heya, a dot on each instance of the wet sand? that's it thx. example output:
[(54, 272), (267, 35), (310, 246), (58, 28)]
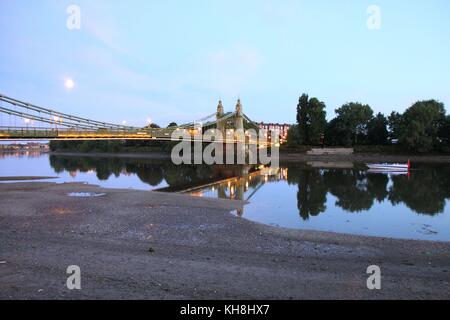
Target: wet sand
[(137, 244)]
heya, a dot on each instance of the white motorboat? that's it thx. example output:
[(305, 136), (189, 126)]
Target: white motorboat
[(389, 172), (395, 167)]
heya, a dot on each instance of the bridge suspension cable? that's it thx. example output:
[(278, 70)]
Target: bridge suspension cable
[(72, 120), (192, 124), (52, 124), (45, 120)]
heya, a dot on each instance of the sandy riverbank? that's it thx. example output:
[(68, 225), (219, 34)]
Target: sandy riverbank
[(138, 244)]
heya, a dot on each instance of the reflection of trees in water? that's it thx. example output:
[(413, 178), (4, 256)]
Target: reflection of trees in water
[(151, 174), (151, 171), (312, 193), (350, 187), (104, 168), (377, 186), (424, 191), (183, 175)]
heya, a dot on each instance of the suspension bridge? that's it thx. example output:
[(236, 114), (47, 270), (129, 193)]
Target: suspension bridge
[(21, 120)]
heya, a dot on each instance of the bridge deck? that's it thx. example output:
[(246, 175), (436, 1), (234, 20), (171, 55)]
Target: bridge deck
[(25, 134)]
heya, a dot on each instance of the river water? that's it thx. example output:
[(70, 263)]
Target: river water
[(337, 197)]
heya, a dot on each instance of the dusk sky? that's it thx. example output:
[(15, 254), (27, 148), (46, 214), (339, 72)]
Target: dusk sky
[(172, 60)]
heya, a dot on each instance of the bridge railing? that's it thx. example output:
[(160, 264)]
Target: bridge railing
[(48, 132), (24, 133)]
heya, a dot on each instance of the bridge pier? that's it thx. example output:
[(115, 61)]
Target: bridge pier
[(219, 115), (239, 120), (239, 132)]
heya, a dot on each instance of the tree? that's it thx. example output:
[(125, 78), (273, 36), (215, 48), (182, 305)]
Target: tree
[(444, 132), (153, 126), (172, 124), (396, 125), (293, 136), (353, 119), (317, 121), (422, 123), (302, 118), (311, 119), (377, 132), (336, 134)]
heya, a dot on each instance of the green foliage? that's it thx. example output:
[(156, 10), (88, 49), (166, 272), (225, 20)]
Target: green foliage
[(336, 134), (317, 121), (396, 125), (302, 122), (422, 123), (353, 120), (172, 124), (311, 119), (293, 137), (444, 132), (111, 146), (377, 133)]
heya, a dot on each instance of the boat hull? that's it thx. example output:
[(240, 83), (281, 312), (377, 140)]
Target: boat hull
[(388, 167)]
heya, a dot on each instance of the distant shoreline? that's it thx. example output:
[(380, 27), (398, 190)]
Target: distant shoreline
[(135, 155), (26, 178)]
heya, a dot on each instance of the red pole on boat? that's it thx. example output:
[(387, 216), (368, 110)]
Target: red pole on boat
[(409, 165)]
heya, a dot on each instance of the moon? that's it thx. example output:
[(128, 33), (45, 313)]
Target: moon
[(69, 83)]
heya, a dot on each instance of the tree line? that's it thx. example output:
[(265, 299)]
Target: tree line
[(423, 127)]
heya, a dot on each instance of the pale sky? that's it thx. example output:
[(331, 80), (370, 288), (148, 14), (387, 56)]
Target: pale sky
[(172, 60)]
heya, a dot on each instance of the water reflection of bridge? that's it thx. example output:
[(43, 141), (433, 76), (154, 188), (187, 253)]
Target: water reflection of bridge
[(242, 187)]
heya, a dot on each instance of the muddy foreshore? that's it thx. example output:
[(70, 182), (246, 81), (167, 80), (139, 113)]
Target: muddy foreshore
[(137, 244)]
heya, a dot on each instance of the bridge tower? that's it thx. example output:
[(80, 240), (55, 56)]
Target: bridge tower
[(239, 120), (219, 115)]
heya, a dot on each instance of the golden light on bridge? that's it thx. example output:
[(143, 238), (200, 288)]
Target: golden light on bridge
[(77, 128)]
